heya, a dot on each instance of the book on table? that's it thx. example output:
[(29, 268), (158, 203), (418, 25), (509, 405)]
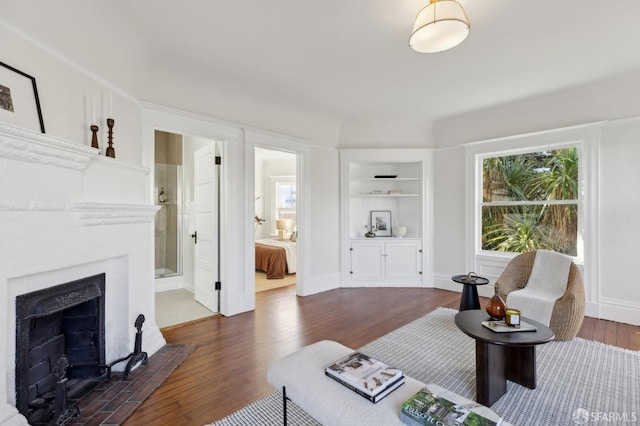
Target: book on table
[(502, 327), (366, 375), (433, 405)]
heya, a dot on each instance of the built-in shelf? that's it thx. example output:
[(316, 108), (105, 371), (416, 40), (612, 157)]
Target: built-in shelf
[(400, 191)]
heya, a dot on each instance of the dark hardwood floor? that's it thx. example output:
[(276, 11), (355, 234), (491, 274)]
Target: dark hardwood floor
[(228, 369)]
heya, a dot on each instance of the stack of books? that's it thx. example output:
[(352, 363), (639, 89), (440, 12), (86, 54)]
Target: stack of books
[(365, 375), (433, 405)]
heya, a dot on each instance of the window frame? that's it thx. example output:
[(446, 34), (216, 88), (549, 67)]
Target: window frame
[(277, 192), (479, 158), (273, 183), (587, 139)]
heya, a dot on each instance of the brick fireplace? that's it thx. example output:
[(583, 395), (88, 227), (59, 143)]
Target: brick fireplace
[(62, 320), (69, 214)]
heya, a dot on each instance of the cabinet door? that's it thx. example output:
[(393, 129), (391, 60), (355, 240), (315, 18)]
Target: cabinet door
[(367, 261), (404, 261)]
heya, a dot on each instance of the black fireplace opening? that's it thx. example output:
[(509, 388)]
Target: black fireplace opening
[(65, 320)]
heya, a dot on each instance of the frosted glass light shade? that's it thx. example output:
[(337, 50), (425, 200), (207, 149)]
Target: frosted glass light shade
[(439, 26)]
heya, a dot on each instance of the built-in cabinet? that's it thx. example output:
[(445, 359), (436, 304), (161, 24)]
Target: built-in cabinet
[(385, 261), (393, 181)]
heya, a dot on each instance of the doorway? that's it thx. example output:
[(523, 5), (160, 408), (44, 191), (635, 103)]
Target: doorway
[(275, 219), (237, 144), (186, 192)]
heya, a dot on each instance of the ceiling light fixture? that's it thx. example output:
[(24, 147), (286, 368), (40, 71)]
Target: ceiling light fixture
[(440, 25)]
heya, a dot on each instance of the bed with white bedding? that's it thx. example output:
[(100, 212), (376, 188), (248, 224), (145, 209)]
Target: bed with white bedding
[(276, 257)]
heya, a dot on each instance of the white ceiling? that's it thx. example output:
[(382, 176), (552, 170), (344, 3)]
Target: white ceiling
[(347, 61)]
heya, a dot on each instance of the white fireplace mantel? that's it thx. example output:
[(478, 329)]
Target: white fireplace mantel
[(67, 212), (24, 145)]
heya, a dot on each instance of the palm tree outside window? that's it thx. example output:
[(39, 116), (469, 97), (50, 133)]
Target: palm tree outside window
[(530, 201)]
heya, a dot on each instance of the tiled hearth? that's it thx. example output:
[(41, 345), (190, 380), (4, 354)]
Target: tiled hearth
[(113, 401), (67, 212)]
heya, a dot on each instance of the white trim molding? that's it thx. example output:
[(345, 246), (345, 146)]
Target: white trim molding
[(235, 296), (618, 310), (92, 214)]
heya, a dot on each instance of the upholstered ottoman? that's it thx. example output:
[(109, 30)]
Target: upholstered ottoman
[(301, 374)]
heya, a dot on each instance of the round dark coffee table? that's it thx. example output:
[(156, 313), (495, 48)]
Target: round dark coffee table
[(469, 298), (502, 356)]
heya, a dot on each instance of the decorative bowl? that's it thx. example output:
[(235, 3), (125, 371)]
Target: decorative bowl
[(399, 231)]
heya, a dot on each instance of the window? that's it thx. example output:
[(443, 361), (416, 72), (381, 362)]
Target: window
[(286, 200), (530, 201)]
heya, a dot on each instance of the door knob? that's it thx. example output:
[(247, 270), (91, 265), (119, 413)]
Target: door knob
[(195, 237)]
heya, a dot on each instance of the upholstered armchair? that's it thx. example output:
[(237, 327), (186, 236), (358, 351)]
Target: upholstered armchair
[(568, 310)]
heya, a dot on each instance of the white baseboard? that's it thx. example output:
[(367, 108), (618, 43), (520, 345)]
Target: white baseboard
[(592, 310), (383, 284), (321, 283), (169, 283), (619, 311)]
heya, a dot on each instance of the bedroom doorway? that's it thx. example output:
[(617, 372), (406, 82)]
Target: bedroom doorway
[(275, 219)]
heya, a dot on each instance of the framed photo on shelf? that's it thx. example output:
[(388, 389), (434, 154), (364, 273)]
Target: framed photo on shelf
[(19, 102), (381, 221)]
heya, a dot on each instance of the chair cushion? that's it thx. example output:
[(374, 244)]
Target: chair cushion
[(547, 283)]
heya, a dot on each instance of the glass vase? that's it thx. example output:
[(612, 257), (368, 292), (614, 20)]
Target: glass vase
[(496, 308)]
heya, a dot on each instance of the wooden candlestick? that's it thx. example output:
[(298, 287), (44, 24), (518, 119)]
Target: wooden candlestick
[(94, 136), (111, 152)]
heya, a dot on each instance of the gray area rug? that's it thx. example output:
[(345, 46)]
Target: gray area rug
[(579, 381)]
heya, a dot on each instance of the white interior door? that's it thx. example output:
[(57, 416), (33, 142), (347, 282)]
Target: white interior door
[(206, 234)]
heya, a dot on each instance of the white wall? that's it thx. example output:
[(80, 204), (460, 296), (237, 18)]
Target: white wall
[(217, 99), (325, 213), (619, 226), (609, 99), (617, 297), (449, 215), (386, 132), (64, 93)]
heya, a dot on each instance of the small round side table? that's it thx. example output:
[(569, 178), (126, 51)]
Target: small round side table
[(469, 299)]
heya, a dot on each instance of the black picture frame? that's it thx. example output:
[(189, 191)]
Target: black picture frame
[(381, 221), (29, 112)]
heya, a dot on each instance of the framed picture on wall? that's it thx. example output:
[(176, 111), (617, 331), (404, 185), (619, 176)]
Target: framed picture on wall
[(19, 102), (381, 222)]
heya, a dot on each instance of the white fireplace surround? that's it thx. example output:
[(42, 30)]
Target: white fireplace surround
[(66, 213)]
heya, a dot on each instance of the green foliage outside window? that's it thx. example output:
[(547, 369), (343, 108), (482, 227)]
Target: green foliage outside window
[(530, 202)]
